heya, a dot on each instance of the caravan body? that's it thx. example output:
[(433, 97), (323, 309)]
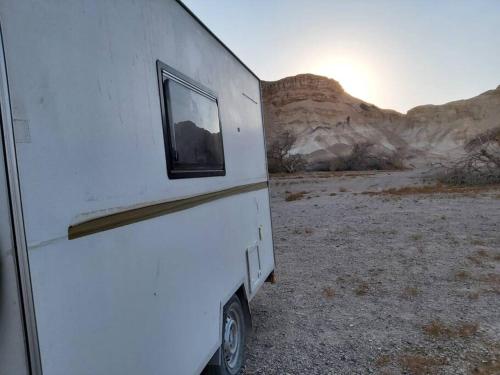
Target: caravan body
[(133, 191)]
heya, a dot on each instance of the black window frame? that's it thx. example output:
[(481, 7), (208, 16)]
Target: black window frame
[(166, 72)]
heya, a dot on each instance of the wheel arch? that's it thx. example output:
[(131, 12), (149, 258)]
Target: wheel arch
[(241, 293)]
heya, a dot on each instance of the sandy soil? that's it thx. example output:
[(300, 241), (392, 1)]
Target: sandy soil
[(379, 283)]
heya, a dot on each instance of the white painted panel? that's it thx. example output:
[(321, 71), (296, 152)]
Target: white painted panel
[(83, 75), (254, 271), (145, 297)]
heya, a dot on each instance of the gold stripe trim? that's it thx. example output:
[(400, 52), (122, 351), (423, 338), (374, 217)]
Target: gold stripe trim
[(135, 215)]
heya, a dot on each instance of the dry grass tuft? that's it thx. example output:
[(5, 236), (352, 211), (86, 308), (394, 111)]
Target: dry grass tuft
[(343, 190), (491, 278), (434, 189), (421, 364), (383, 361), (477, 242), (295, 196), (333, 194), (416, 237), (482, 253), (487, 363), (479, 256), (477, 260), (462, 275), (309, 231), (467, 329), (489, 368), (438, 329), (410, 292), (474, 296), (328, 292), (362, 289)]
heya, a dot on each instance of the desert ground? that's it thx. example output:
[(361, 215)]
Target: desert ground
[(378, 275)]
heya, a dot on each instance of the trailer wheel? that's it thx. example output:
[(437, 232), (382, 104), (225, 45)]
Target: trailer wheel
[(234, 335)]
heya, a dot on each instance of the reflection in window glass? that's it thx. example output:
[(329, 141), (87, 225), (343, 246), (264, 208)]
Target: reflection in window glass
[(195, 136)]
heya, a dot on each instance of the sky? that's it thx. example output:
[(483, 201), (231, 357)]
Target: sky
[(393, 53)]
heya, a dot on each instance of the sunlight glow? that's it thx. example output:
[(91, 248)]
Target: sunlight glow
[(355, 78)]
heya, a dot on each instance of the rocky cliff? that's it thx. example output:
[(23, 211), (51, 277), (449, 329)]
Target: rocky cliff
[(328, 121), (441, 130)]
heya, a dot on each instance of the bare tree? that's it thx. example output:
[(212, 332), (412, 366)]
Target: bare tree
[(279, 157), (481, 164)]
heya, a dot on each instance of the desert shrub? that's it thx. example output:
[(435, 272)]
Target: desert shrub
[(480, 165), (279, 158), (318, 166), (295, 196), (363, 158)]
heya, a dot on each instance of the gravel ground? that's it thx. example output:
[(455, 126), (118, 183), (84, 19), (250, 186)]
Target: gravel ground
[(379, 284)]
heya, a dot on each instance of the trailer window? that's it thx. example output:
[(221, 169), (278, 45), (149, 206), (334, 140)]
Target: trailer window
[(192, 130)]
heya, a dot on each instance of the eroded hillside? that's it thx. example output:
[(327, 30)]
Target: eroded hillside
[(328, 121)]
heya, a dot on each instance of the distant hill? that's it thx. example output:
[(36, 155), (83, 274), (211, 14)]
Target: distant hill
[(328, 121)]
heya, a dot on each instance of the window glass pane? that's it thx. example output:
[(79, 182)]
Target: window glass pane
[(195, 136)]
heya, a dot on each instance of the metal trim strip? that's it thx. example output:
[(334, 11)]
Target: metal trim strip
[(9, 146), (135, 215)]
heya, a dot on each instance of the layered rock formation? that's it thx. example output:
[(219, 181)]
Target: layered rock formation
[(328, 121), (441, 130)]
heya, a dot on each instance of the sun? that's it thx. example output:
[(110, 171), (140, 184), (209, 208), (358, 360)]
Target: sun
[(354, 77)]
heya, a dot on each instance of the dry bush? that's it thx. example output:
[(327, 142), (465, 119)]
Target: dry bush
[(279, 158), (480, 165), (363, 157), (438, 329), (420, 364), (295, 196)]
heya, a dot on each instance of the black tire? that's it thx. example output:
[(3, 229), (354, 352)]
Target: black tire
[(233, 341)]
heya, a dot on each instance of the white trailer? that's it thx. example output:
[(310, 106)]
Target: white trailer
[(134, 207)]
